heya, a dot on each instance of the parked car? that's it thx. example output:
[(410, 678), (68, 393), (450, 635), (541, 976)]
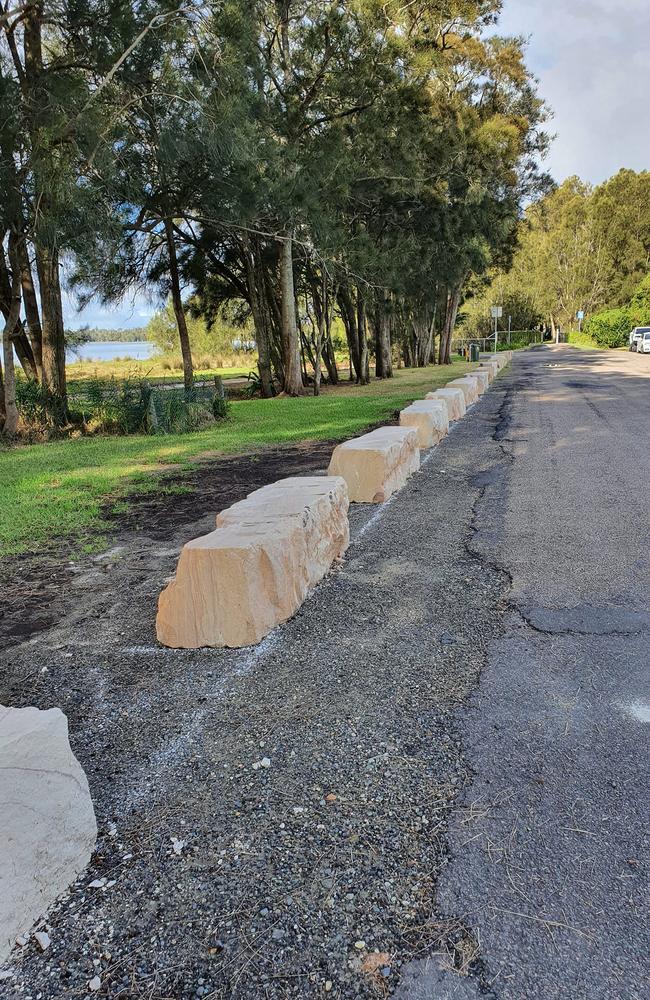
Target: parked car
[(637, 336), (643, 345)]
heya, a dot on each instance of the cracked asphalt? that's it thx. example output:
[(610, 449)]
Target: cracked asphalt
[(549, 854)]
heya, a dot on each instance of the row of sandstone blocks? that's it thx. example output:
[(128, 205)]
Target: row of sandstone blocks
[(268, 552)]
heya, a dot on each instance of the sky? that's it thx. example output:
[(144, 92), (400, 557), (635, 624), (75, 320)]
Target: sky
[(592, 59)]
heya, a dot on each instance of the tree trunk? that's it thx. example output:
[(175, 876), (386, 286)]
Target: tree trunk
[(260, 321), (11, 410), (377, 341), (179, 312), (3, 412), (451, 312), (362, 334), (385, 351), (290, 342), (424, 338), (31, 308), (53, 379), (19, 338), (23, 350), (349, 317), (329, 357)]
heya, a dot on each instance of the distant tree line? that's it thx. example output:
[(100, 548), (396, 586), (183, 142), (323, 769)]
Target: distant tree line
[(580, 249), (99, 335), (296, 160)]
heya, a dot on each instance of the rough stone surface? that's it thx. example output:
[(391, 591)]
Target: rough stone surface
[(47, 818), (469, 388), (377, 464), (491, 367), (430, 418), (483, 378), (454, 397), (502, 358), (255, 570)]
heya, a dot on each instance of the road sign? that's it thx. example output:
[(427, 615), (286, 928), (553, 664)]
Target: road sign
[(580, 314), (497, 312)]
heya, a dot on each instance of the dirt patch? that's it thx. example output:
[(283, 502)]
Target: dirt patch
[(216, 484), (38, 588)]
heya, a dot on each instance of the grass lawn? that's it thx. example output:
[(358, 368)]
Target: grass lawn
[(58, 488)]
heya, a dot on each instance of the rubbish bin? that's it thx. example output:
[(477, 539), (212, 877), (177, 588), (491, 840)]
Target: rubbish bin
[(473, 352)]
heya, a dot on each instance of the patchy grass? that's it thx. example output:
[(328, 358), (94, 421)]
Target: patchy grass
[(58, 488), (154, 370)]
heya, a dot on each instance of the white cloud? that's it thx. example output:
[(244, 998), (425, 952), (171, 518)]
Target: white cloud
[(593, 59)]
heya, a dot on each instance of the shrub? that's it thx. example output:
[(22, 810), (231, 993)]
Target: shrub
[(610, 327)]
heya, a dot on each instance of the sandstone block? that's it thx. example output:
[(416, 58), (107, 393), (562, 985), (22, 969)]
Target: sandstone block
[(320, 501), (430, 418), (492, 368), (46, 816), (454, 398), (377, 464), (469, 388), (483, 377), (255, 570)]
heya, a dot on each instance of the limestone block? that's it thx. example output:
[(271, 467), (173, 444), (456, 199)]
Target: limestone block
[(454, 397), (379, 463), (469, 387), (256, 569), (430, 418), (483, 377), (46, 817)]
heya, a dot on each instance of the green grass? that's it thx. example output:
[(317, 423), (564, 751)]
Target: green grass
[(58, 488), (583, 340)]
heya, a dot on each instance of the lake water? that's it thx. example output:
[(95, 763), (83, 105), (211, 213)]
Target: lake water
[(108, 350)]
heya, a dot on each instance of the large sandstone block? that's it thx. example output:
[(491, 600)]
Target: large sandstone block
[(469, 388), (47, 820), (320, 501), (492, 368), (430, 419), (454, 399), (379, 463), (257, 568), (483, 377)]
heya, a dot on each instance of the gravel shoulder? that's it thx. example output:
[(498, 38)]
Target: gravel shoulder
[(314, 875)]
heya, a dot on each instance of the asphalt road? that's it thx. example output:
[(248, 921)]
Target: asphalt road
[(549, 856)]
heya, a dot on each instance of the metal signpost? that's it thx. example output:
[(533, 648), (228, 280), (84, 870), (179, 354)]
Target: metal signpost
[(580, 316), (497, 313)]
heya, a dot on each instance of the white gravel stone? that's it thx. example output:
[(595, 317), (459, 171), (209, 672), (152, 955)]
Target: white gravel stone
[(42, 940)]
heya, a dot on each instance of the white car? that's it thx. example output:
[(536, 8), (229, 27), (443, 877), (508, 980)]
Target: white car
[(637, 336), (643, 345)]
